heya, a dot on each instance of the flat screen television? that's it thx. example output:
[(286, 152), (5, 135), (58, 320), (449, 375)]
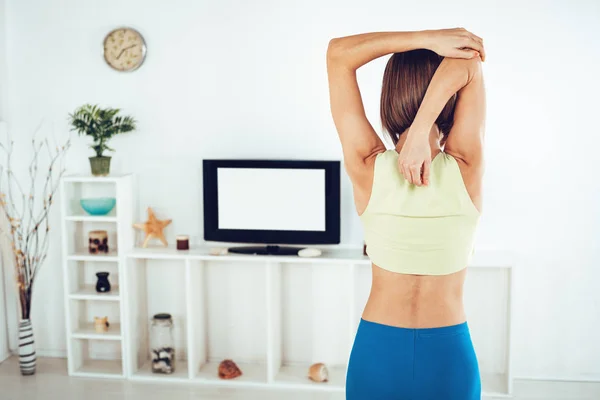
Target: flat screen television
[(272, 202)]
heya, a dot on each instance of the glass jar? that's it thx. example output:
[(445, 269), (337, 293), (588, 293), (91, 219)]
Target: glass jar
[(162, 344)]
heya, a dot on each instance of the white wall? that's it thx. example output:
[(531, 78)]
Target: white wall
[(247, 79), (4, 351)]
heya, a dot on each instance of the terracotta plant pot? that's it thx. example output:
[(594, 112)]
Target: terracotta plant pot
[(100, 166)]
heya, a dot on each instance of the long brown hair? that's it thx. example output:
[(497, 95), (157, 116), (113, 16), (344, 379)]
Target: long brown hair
[(405, 82)]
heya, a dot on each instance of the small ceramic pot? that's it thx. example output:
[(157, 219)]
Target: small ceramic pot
[(102, 285)]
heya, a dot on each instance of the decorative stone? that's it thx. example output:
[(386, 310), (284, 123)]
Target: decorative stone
[(228, 370), (163, 360)]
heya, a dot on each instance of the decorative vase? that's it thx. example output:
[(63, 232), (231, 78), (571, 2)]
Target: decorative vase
[(100, 166), (102, 285), (27, 358)]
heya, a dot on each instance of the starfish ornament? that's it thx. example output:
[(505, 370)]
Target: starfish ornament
[(153, 228)]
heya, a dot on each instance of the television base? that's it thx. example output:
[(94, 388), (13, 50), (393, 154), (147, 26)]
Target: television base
[(266, 250)]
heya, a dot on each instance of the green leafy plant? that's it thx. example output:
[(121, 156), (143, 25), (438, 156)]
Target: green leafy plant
[(101, 124)]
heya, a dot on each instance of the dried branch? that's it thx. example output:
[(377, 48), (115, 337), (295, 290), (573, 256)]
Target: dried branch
[(29, 227)]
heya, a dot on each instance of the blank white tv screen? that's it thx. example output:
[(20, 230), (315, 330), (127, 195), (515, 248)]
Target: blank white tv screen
[(271, 199)]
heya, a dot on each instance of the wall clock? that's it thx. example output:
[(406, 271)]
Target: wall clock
[(124, 49)]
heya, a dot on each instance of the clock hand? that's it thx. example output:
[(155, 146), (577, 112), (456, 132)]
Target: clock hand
[(125, 49)]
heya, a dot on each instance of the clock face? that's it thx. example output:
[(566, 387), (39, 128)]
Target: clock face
[(124, 49)]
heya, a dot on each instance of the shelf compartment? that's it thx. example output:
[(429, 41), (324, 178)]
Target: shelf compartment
[(77, 240), (308, 316), (82, 280), (82, 313), (297, 376), (100, 368), (88, 292), (229, 319), (88, 332), (97, 359), (77, 190), (156, 287)]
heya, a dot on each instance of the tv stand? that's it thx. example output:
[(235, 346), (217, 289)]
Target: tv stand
[(266, 250)]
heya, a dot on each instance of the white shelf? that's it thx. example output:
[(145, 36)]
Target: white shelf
[(82, 302), (179, 375), (100, 369), (91, 218), (252, 374), (88, 332), (349, 256), (88, 292), (297, 377), (86, 178), (84, 255)]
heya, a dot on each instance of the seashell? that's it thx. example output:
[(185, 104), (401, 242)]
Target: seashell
[(318, 372), (218, 251), (228, 370)]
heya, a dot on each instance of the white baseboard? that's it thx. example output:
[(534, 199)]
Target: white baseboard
[(51, 353), (564, 378)]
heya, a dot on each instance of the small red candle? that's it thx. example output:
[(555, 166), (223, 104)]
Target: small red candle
[(183, 242)]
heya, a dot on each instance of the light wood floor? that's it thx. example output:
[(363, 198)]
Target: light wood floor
[(52, 382)]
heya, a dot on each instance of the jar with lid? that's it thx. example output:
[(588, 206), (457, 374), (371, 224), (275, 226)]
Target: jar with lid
[(162, 344)]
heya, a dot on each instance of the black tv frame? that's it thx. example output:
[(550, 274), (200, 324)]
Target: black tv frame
[(331, 235)]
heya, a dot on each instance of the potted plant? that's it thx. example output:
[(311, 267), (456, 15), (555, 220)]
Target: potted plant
[(101, 124)]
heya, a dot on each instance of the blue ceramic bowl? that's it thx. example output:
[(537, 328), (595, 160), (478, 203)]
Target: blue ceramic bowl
[(98, 205)]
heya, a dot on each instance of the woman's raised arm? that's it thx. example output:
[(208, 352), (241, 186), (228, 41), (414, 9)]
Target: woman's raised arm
[(345, 55), (465, 138)]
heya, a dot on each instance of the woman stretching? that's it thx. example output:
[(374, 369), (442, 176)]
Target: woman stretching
[(419, 204)]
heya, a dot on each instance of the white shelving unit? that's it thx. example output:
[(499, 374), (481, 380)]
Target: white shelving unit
[(273, 315), (89, 353), (219, 314)]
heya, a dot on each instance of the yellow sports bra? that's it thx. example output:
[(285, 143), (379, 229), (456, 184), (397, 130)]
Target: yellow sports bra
[(420, 230)]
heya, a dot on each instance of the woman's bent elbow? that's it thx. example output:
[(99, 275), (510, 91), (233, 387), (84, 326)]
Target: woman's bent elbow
[(334, 50)]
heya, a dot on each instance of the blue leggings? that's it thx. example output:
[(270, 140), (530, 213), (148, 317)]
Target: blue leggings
[(390, 363)]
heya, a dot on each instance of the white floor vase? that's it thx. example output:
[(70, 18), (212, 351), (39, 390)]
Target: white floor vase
[(27, 358)]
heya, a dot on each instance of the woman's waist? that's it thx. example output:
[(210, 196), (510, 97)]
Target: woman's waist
[(416, 301)]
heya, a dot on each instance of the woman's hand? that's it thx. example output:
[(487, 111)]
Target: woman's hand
[(455, 43), (415, 158)]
